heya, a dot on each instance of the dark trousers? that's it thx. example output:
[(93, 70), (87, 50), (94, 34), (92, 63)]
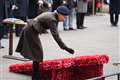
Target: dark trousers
[(80, 19), (1, 31), (4, 30), (114, 18), (36, 75)]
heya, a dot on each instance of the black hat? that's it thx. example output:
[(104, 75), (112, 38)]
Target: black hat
[(63, 10)]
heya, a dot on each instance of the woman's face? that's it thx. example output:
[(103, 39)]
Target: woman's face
[(62, 17)]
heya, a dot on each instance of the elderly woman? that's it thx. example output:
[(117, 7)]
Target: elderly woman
[(30, 45)]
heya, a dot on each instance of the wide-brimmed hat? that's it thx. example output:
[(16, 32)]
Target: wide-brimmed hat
[(63, 10)]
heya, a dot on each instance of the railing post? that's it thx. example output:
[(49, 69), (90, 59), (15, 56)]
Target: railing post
[(118, 76)]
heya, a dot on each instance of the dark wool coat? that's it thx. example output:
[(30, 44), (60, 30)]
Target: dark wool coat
[(114, 6), (56, 3), (43, 8), (22, 8), (33, 9), (5, 12), (8, 8), (29, 44), (5, 8), (2, 12), (70, 4)]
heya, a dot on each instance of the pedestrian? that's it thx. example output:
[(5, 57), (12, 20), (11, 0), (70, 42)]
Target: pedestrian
[(5, 12), (1, 35), (1, 18), (20, 12), (56, 3), (114, 10), (68, 23), (81, 9), (99, 5), (43, 6), (33, 8), (30, 45)]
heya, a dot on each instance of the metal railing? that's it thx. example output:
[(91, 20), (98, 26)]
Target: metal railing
[(106, 76)]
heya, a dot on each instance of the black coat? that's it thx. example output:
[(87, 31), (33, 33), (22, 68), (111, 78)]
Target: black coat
[(114, 6), (2, 9), (2, 12), (56, 3), (22, 10), (70, 4), (43, 8), (29, 44), (5, 12), (6, 8), (33, 9)]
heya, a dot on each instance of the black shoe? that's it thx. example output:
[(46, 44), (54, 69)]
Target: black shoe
[(17, 35), (82, 27), (115, 25), (2, 47), (71, 29), (65, 29)]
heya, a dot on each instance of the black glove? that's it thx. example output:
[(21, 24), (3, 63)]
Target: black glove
[(71, 51)]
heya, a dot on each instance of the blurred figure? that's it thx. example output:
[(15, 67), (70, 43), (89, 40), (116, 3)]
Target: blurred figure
[(33, 9), (6, 10), (56, 3), (43, 6), (2, 14), (81, 9), (114, 10), (99, 5), (68, 23), (1, 35), (20, 12)]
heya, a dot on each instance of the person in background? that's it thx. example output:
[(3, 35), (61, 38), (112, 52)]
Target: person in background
[(1, 35), (29, 45), (99, 5), (20, 12), (114, 10), (56, 3), (43, 6), (81, 9), (68, 23), (1, 18), (6, 10), (33, 8)]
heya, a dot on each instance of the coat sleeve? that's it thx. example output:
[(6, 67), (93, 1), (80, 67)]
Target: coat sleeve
[(55, 34)]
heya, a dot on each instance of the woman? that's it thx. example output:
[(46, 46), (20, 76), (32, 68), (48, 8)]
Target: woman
[(30, 45)]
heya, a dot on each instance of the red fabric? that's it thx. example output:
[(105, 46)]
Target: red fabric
[(79, 68), (99, 5)]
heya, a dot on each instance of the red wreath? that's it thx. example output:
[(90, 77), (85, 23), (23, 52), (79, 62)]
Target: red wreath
[(82, 67)]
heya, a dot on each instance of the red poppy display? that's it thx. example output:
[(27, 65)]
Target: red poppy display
[(78, 68)]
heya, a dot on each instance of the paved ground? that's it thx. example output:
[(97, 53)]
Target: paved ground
[(99, 38)]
